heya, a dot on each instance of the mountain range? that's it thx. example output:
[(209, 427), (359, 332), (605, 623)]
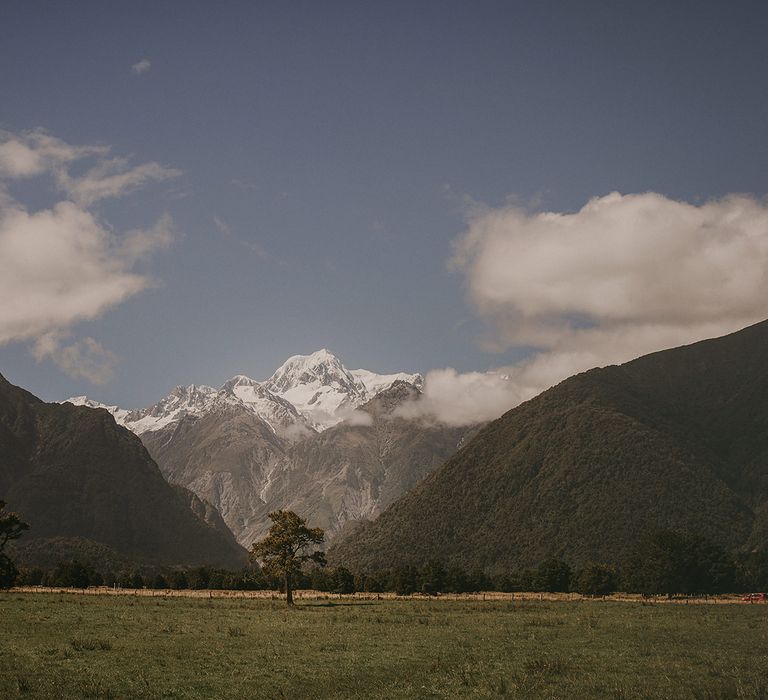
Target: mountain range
[(315, 438), (677, 440), (307, 393)]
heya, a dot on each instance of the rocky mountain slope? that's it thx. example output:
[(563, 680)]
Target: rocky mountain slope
[(349, 472), (353, 471), (77, 476), (677, 439)]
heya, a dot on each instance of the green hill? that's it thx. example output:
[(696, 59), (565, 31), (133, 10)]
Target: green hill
[(676, 439)]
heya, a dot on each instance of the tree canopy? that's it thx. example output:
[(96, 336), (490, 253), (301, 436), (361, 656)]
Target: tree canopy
[(288, 547), (11, 528)]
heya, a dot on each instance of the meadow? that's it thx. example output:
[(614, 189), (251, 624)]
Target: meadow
[(76, 646)]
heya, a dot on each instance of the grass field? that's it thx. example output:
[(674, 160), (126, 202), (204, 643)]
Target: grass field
[(143, 647)]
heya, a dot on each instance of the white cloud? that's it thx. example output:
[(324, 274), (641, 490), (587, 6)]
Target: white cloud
[(36, 152), (221, 226), (624, 276), (111, 178), (86, 359), (454, 398), (62, 265), (358, 418), (139, 243), (141, 66)]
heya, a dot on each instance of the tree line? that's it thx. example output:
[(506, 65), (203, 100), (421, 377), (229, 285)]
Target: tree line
[(661, 562), (666, 569)]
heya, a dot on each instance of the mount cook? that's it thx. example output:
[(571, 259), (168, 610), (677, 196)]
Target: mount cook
[(315, 437), (308, 393)]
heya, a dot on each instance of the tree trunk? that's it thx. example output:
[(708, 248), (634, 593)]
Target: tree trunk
[(288, 589)]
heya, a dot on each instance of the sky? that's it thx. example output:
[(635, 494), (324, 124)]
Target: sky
[(192, 190)]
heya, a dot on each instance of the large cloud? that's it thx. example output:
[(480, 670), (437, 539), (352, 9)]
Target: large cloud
[(623, 276), (61, 265), (64, 264)]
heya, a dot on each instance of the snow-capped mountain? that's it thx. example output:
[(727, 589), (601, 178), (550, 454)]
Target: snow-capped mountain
[(307, 393), (325, 391), (315, 437)]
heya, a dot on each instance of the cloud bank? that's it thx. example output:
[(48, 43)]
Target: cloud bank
[(624, 276), (62, 265)]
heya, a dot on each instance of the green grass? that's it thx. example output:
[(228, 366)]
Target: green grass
[(124, 647)]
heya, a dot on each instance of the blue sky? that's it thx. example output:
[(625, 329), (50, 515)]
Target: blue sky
[(333, 153)]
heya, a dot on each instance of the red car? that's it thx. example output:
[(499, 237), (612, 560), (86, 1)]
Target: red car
[(755, 598)]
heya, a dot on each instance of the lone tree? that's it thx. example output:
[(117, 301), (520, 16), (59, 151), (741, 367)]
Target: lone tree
[(11, 528), (285, 549)]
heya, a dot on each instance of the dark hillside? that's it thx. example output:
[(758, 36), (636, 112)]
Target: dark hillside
[(74, 473), (677, 439)]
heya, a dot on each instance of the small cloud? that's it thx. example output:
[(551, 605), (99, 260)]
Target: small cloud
[(138, 243), (457, 399), (35, 152), (221, 225), (84, 359), (256, 248), (111, 178), (296, 432), (359, 418), (244, 184), (142, 66)]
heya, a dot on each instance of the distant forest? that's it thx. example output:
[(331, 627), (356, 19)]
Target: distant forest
[(665, 562)]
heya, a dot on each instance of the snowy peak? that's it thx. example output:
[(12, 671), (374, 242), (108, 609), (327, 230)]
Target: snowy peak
[(319, 386), (325, 391), (307, 393), (320, 369)]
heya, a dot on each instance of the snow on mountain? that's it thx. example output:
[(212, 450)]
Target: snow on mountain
[(183, 401), (325, 391), (192, 400), (119, 413), (319, 386), (279, 414), (376, 383), (307, 393)]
